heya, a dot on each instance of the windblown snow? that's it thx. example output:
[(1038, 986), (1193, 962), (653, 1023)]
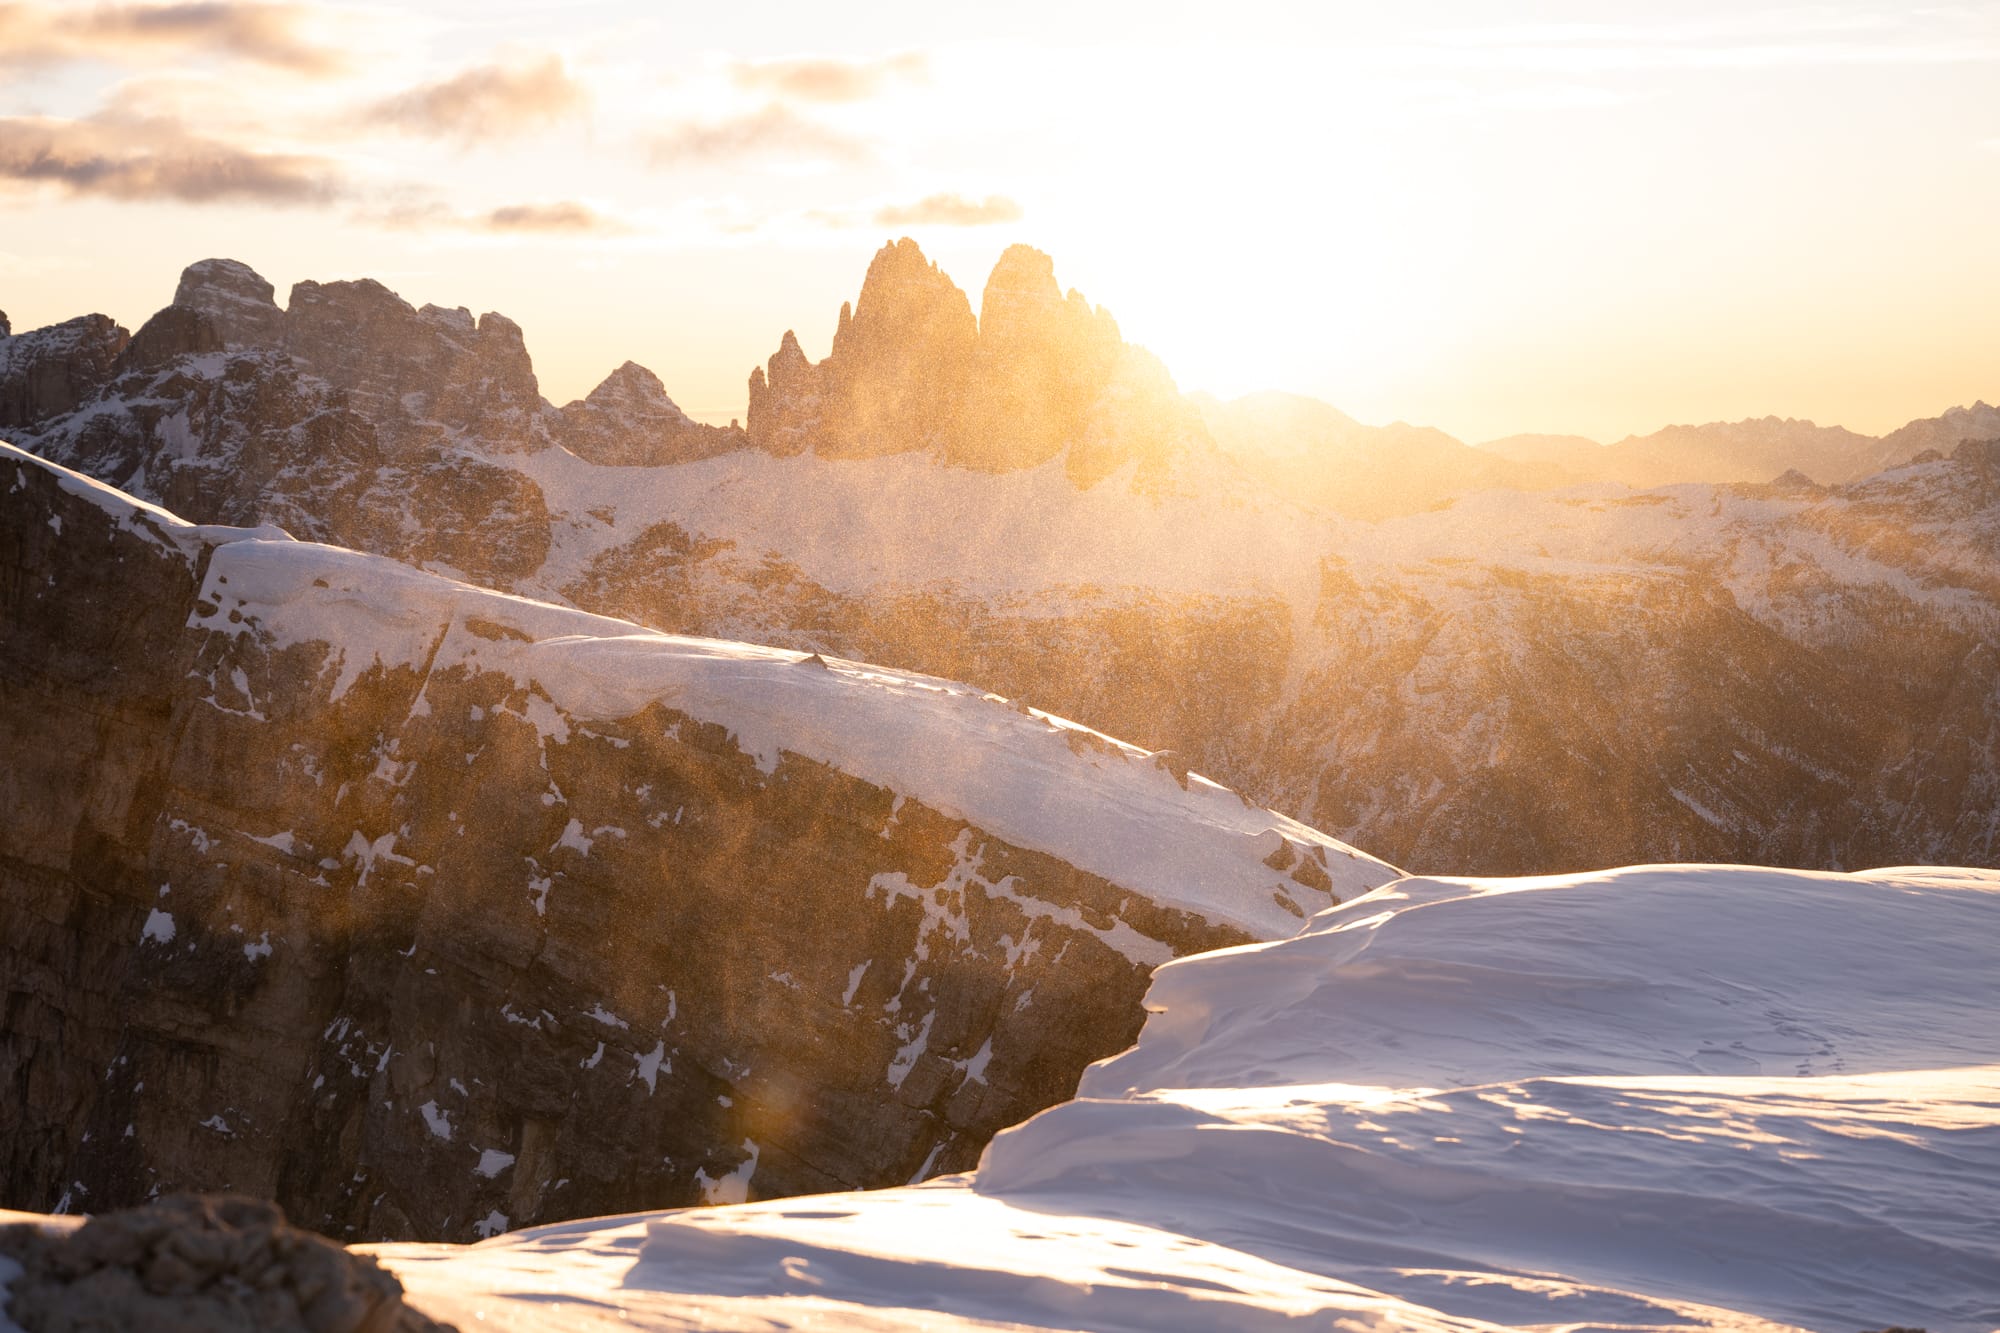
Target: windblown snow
[(1662, 1097)]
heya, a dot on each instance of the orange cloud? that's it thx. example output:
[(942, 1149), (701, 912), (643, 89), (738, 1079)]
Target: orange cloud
[(827, 80), (564, 216), (154, 158), (774, 132), (34, 34), (484, 102), (561, 217), (949, 210)]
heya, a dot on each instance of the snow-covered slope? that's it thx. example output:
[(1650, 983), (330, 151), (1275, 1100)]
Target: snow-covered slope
[(1038, 781), (541, 914), (1662, 1097)]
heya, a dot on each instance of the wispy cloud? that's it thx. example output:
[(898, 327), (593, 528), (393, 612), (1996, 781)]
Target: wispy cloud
[(820, 79), (484, 102), (949, 210), (35, 34), (154, 158), (564, 217), (776, 132)]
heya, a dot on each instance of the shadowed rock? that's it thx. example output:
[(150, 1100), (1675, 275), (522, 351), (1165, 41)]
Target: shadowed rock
[(49, 371), (629, 421), (193, 1264)]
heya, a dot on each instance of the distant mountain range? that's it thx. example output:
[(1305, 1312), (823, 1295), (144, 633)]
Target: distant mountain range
[(1515, 657)]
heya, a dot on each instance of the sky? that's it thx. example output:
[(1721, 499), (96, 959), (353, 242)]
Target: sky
[(1588, 218)]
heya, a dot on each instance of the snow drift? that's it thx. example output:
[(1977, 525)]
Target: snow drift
[(1670, 1096)]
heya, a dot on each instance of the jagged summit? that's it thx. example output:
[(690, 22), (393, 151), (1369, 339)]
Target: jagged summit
[(1037, 376)]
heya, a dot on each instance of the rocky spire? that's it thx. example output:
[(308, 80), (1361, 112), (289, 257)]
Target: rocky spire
[(785, 403), (1044, 361), (900, 358), (1038, 374)]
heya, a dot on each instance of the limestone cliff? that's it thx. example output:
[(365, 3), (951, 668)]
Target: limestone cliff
[(429, 911)]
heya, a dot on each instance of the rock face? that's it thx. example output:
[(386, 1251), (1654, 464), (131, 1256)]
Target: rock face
[(418, 373), (173, 333), (430, 912), (236, 299), (1038, 376), (46, 372)]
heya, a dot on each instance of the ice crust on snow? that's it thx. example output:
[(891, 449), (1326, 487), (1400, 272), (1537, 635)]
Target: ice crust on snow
[(1029, 778), (1666, 1097)]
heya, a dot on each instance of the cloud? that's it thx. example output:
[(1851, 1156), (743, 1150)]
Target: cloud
[(34, 34), (565, 217), (774, 132), (827, 80), (154, 158), (949, 210), (484, 102)]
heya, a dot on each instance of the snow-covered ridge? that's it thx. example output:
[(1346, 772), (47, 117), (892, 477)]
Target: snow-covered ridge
[(1031, 779), (141, 518)]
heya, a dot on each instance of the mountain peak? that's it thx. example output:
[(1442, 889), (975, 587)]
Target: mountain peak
[(237, 300), (1019, 292)]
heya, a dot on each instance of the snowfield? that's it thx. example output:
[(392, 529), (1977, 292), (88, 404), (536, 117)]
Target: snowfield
[(1660, 1097)]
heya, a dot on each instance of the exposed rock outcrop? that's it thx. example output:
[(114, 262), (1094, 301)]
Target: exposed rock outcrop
[(190, 1264), (629, 421), (47, 372), (1526, 682), (784, 412), (901, 359), (244, 438), (418, 373), (174, 332)]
